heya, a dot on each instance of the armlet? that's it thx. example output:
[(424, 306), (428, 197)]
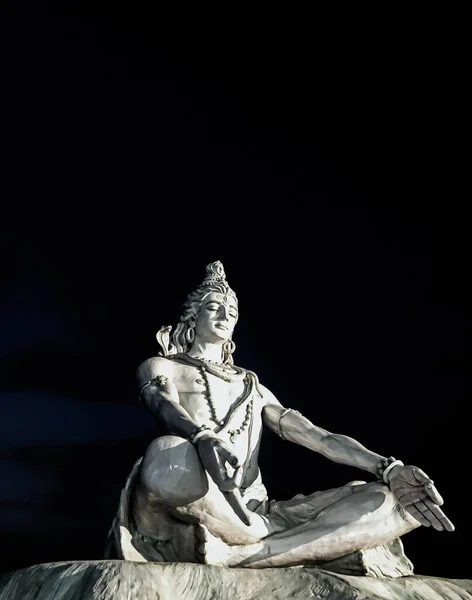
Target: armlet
[(159, 381), (287, 410)]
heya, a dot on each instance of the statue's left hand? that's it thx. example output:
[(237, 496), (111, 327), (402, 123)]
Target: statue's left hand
[(416, 492)]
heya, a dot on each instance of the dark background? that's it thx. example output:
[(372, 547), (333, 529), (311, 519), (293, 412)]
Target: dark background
[(320, 158)]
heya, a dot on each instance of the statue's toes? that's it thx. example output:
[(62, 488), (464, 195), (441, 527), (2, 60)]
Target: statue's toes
[(201, 543), (209, 549), (201, 533)]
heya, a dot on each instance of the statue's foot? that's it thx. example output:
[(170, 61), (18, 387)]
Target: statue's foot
[(210, 549)]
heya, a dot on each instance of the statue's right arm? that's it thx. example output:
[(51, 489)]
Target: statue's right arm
[(159, 394)]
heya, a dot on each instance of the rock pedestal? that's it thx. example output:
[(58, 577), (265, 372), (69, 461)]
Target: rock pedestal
[(127, 580)]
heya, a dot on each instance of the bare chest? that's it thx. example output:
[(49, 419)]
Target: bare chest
[(230, 408), (205, 395)]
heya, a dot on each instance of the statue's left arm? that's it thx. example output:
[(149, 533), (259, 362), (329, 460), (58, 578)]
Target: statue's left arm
[(410, 485), (292, 426)]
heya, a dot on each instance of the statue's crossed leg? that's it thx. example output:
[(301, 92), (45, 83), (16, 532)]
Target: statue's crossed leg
[(367, 518), (306, 529)]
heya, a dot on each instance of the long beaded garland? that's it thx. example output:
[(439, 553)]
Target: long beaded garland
[(214, 417)]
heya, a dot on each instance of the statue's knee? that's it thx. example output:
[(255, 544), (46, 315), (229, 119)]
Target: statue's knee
[(171, 470)]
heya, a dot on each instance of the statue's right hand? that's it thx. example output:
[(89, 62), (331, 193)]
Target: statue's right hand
[(214, 454)]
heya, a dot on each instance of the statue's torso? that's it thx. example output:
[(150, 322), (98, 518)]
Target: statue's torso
[(193, 393)]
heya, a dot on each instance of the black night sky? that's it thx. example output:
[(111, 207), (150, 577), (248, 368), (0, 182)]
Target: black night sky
[(320, 159)]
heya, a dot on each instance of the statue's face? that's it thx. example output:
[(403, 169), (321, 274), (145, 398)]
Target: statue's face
[(216, 319)]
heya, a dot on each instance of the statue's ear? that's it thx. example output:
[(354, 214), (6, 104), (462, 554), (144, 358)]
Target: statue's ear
[(163, 339)]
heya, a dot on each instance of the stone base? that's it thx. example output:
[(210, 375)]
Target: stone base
[(388, 560), (127, 580)]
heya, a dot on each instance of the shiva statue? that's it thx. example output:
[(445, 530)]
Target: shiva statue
[(197, 495)]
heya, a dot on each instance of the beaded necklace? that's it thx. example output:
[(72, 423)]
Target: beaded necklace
[(214, 417), (230, 374)]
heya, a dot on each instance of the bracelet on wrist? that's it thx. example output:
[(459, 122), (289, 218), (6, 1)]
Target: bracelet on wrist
[(198, 432), (386, 465)]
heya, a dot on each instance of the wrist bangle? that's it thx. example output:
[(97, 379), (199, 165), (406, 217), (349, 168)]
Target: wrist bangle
[(396, 463), (386, 465), (198, 432)]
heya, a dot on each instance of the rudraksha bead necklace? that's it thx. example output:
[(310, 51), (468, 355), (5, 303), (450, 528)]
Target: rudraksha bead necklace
[(214, 417)]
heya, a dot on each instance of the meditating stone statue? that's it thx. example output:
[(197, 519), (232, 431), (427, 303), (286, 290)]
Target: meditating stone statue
[(197, 494)]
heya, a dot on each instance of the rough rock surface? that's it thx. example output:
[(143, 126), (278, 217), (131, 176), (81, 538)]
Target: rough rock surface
[(126, 580)]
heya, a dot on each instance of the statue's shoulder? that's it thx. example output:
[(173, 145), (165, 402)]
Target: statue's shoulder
[(267, 396), (154, 366)]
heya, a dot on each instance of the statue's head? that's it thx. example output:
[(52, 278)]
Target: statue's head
[(209, 314)]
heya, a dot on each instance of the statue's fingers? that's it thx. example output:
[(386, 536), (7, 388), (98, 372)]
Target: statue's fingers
[(434, 508), (222, 479), (217, 470), (238, 476), (414, 512), (429, 515), (434, 494), (229, 456), (236, 502), (421, 476), (233, 482)]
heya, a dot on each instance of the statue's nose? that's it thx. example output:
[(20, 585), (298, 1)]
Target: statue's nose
[(223, 312)]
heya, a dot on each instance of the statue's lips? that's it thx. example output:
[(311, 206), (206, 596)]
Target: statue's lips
[(221, 326)]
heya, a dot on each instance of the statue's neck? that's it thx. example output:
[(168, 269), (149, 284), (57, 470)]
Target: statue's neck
[(207, 351)]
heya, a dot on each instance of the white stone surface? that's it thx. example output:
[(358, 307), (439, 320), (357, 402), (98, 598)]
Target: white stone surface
[(126, 580)]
